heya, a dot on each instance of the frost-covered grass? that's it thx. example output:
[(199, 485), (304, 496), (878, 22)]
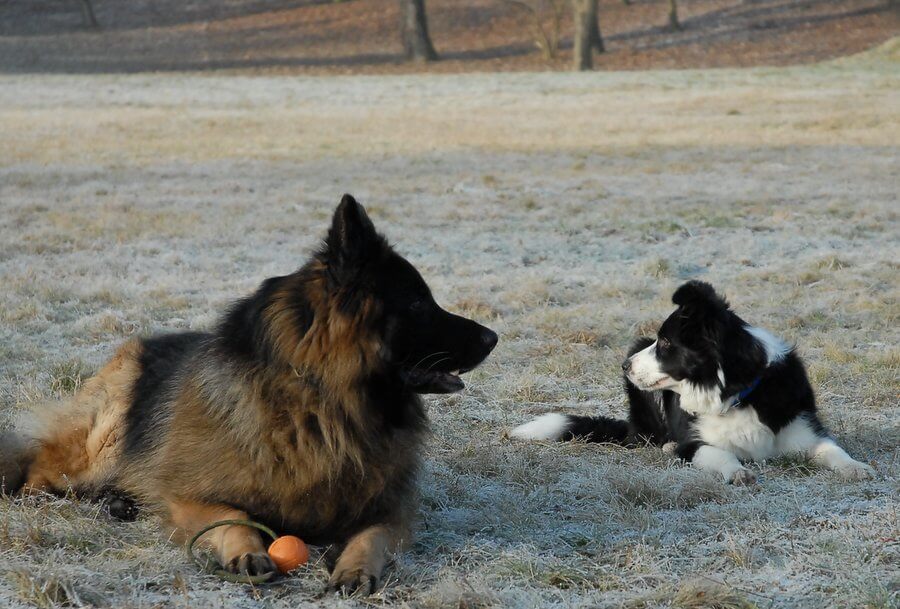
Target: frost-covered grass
[(562, 210)]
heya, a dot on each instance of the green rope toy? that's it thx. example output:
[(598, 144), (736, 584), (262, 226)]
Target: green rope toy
[(222, 573)]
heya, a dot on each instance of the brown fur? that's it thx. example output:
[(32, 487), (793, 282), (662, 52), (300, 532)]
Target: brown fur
[(77, 442), (296, 445), (301, 411)]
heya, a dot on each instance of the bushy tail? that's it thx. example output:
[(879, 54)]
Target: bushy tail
[(646, 419), (564, 427), (16, 454)]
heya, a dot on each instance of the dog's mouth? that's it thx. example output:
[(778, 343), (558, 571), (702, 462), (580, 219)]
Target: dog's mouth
[(663, 382), (433, 381), (666, 380)]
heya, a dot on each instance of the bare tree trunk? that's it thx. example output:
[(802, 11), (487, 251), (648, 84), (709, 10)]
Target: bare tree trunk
[(673, 15), (558, 7), (596, 37), (586, 30), (414, 30), (87, 13)]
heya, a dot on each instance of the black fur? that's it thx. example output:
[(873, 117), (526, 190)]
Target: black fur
[(425, 341), (15, 457), (301, 409), (117, 504), (359, 264), (161, 358), (648, 421), (242, 330), (597, 429), (700, 338)]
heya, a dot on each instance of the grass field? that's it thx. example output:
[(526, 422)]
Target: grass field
[(561, 210)]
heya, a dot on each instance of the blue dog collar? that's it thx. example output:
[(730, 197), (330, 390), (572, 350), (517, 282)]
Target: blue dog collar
[(743, 393)]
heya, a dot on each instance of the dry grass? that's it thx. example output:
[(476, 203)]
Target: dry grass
[(149, 207)]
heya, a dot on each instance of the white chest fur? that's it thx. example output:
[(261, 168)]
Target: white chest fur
[(739, 431)]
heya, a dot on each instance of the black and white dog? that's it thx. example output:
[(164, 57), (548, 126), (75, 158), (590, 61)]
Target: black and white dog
[(715, 391)]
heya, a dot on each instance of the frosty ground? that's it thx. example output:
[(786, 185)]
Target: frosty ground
[(559, 209)]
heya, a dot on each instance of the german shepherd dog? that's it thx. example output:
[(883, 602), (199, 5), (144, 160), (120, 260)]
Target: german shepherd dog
[(300, 410)]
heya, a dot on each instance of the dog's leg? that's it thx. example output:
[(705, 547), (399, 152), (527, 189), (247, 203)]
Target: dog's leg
[(361, 563), (711, 458), (808, 436), (238, 548), (828, 454)]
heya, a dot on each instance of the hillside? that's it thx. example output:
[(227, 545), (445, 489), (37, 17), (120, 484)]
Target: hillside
[(361, 36)]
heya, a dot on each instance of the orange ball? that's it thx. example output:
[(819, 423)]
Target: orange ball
[(288, 553)]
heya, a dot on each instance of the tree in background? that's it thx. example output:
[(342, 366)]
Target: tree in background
[(674, 23), (546, 37), (596, 37), (87, 12), (587, 34), (414, 31)]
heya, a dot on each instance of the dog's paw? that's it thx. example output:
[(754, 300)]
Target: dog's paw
[(742, 477), (669, 448), (119, 505), (123, 509), (352, 582), (251, 563), (855, 471)]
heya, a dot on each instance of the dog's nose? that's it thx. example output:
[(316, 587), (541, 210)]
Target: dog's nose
[(489, 339), (626, 365)]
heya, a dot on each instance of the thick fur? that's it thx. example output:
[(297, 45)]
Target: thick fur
[(685, 391), (300, 410)]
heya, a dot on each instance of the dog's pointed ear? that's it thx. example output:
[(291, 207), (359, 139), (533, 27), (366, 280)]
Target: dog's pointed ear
[(702, 311), (351, 238), (698, 295)]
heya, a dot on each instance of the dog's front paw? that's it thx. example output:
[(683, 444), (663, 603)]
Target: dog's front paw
[(119, 505), (670, 448), (742, 477), (855, 471), (352, 581), (251, 563)]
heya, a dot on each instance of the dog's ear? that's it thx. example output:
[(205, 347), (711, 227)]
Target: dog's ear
[(351, 239), (702, 311), (698, 295)]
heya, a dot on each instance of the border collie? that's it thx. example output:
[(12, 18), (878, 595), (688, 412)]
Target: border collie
[(714, 391)]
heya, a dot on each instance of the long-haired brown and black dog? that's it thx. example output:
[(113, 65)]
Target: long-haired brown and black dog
[(301, 410)]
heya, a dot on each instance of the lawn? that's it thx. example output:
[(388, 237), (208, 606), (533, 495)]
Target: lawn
[(559, 209)]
